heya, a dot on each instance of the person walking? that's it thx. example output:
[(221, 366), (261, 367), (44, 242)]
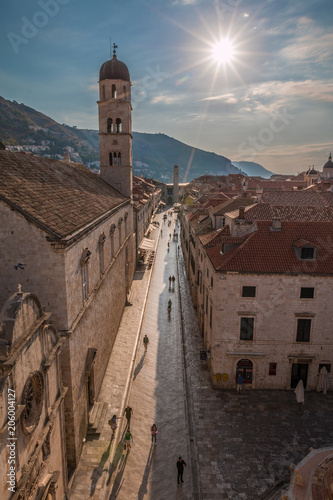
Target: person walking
[(113, 424), (128, 412), (173, 281), (170, 279), (239, 383), (128, 439), (153, 431), (180, 467), (145, 342)]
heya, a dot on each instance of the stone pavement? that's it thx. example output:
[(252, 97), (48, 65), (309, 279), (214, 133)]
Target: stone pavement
[(156, 382), (245, 443)]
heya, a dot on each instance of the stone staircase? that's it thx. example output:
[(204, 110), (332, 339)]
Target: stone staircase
[(97, 418)]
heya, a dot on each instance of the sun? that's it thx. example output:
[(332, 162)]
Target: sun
[(223, 51)]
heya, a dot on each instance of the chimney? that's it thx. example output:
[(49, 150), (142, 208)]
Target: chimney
[(241, 213), (276, 224)]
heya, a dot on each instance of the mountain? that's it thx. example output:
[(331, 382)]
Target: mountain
[(253, 169), (20, 124), (154, 155)]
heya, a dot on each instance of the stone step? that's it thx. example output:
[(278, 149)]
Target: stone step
[(103, 418), (96, 418), (92, 412)]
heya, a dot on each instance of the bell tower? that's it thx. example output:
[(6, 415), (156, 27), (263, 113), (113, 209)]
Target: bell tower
[(175, 184), (115, 125)]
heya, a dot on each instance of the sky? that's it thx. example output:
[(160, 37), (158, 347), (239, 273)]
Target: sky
[(250, 80)]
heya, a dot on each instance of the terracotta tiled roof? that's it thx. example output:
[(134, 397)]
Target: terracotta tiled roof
[(230, 205), (264, 211), (267, 251), (294, 198), (62, 197), (205, 197), (213, 238)]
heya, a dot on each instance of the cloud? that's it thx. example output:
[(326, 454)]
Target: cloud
[(185, 2), (94, 87), (167, 100), (311, 43), (225, 98)]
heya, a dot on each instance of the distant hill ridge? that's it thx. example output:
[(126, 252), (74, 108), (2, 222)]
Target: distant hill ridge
[(154, 155)]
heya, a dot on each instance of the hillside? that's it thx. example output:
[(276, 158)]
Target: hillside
[(154, 155), (253, 169), (22, 125)]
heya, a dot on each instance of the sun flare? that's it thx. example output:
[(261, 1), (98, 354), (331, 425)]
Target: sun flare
[(223, 51)]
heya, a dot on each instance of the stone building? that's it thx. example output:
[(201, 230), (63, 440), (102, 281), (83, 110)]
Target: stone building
[(261, 286), (67, 236), (31, 402)]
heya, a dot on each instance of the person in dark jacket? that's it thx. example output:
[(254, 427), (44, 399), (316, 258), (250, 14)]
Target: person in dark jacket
[(180, 467)]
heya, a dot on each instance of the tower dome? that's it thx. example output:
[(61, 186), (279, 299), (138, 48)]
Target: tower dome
[(329, 163), (114, 70)]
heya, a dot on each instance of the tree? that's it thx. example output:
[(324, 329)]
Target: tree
[(2, 145)]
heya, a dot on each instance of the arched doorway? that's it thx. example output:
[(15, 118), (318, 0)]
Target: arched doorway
[(245, 368), (169, 200)]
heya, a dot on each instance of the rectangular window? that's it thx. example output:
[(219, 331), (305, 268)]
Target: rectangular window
[(307, 253), (211, 282), (327, 366), (206, 304), (246, 328), (272, 369), (85, 283), (307, 293), (211, 317), (101, 260), (207, 273), (303, 330), (248, 291)]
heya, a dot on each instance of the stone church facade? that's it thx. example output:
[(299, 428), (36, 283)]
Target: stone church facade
[(67, 238)]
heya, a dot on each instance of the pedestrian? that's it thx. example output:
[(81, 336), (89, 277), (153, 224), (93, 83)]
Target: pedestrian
[(145, 342), (128, 412), (113, 424), (153, 431), (239, 383), (128, 439), (180, 467), (170, 279), (173, 281)]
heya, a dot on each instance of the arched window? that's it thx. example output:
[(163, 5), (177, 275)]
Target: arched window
[(124, 92), (115, 160), (109, 125), (119, 158), (114, 91), (118, 125), (103, 91), (110, 159)]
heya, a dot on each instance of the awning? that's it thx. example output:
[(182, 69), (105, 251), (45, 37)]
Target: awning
[(151, 227), (161, 203), (147, 244)]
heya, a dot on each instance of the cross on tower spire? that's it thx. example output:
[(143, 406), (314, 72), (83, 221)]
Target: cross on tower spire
[(114, 49)]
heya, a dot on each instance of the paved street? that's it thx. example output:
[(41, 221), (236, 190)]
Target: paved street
[(157, 396), (235, 446)]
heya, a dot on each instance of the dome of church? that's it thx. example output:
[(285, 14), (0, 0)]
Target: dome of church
[(114, 70), (329, 163)]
